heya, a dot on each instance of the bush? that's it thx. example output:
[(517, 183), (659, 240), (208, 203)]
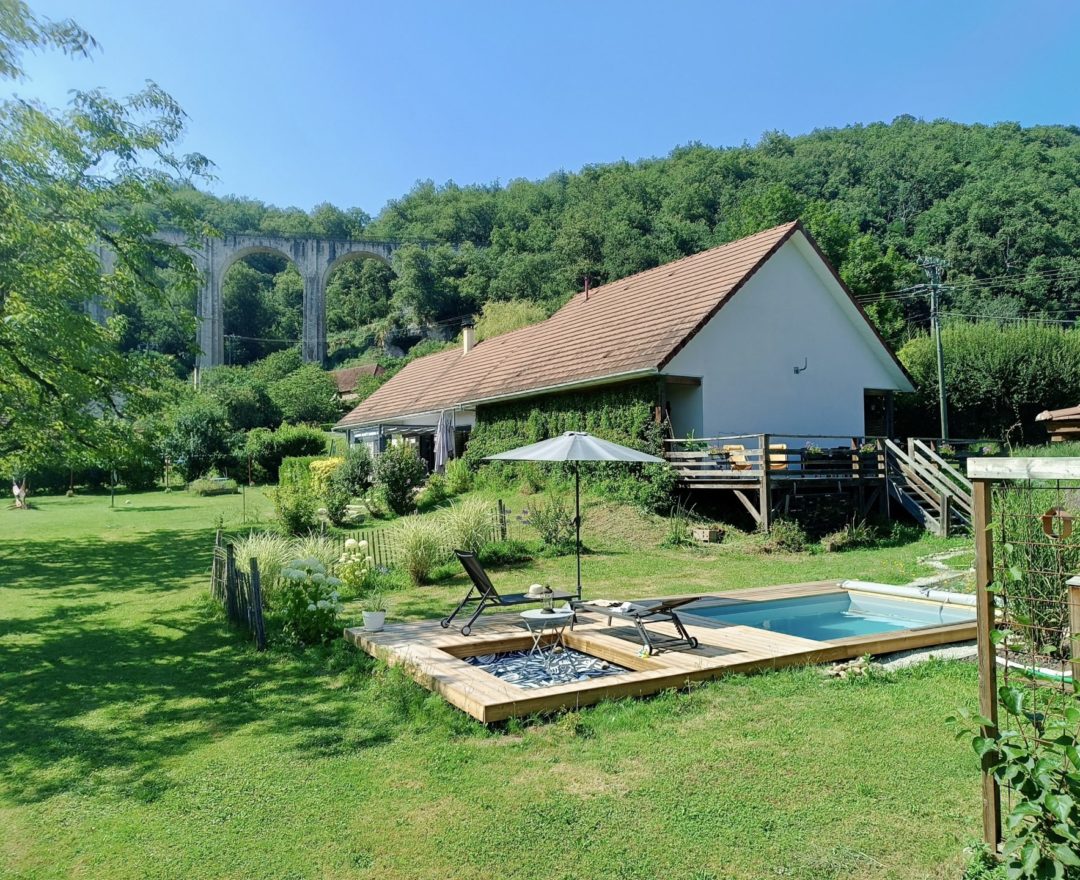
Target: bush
[(356, 470), (508, 552), (355, 568), (322, 472), (296, 472), (469, 524), (435, 491), (1034, 754), (310, 603), (296, 508), (272, 552), (398, 472), (140, 472), (857, 533), (554, 523), (336, 501), (421, 546), (306, 395), (212, 486), (459, 476), (785, 536), (267, 449)]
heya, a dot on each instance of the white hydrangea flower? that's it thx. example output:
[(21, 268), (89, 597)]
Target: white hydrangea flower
[(363, 545), (349, 544)]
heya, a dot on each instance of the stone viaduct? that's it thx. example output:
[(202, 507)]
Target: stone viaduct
[(314, 258)]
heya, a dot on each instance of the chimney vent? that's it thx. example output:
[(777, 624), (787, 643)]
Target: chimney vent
[(468, 335)]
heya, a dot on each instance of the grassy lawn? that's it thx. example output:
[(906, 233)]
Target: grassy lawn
[(141, 737)]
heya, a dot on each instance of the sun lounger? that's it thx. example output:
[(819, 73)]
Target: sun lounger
[(644, 612), (483, 594)]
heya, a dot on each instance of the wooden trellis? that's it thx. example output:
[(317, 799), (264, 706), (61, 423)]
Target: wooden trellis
[(1027, 569)]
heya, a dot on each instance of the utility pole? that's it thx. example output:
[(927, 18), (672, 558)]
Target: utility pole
[(933, 267)]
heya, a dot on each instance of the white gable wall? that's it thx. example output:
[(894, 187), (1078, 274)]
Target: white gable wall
[(791, 310)]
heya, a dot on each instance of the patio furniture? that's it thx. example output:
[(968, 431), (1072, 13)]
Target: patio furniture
[(736, 453), (643, 612), (483, 594), (538, 622)]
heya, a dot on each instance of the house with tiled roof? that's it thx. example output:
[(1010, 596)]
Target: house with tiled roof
[(757, 335), (347, 379)]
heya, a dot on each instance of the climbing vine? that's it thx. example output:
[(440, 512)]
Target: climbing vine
[(622, 414)]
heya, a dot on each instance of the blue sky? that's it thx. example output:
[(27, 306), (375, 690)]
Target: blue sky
[(349, 102)]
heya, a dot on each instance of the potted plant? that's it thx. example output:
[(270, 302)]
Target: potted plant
[(374, 612)]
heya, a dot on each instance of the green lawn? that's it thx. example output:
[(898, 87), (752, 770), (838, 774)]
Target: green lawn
[(141, 737)]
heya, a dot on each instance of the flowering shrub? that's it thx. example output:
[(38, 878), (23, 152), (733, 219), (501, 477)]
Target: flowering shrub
[(310, 602), (355, 568)]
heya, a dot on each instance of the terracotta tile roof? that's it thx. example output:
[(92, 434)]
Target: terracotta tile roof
[(631, 326), (346, 378)]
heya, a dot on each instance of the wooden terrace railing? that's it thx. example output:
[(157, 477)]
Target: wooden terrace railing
[(750, 458)]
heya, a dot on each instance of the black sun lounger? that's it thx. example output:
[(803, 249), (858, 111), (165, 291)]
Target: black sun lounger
[(483, 594), (648, 611)]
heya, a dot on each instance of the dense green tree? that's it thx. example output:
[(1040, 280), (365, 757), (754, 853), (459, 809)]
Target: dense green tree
[(307, 395), (244, 395), (198, 437), (357, 294), (502, 317), (70, 182)]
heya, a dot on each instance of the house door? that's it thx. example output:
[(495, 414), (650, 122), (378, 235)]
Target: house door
[(877, 413)]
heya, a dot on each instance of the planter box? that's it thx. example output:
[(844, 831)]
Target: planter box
[(707, 535)]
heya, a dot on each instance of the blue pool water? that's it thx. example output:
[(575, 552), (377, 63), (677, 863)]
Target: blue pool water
[(830, 616)]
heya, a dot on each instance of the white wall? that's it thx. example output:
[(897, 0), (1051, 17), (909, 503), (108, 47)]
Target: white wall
[(790, 310)]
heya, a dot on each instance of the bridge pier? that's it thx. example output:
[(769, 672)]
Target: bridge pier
[(313, 344)]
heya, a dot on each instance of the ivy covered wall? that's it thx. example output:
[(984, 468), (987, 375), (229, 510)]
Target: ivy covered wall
[(620, 413)]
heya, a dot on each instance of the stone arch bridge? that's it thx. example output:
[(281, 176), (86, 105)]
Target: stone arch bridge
[(314, 258)]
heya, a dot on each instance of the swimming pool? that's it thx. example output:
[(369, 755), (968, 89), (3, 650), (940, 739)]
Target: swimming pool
[(830, 615)]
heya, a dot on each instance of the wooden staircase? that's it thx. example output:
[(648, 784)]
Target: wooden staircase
[(928, 487)]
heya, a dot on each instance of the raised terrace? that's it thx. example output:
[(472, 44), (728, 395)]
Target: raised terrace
[(438, 658)]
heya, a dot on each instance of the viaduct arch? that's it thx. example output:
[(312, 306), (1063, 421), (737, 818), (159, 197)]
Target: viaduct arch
[(314, 258)]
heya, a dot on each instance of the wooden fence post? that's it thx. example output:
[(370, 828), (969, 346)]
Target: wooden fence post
[(502, 520), (255, 608), (1074, 630), (765, 490), (985, 620), (231, 605)]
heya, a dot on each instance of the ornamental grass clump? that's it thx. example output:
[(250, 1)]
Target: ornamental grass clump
[(554, 523), (469, 524), (317, 546), (421, 546), (272, 552), (310, 603)]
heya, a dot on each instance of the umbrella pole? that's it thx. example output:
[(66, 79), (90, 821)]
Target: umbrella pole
[(577, 521)]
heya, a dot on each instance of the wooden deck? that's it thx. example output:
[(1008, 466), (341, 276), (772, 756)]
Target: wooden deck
[(432, 655)]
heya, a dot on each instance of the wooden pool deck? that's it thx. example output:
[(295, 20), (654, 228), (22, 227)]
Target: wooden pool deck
[(432, 656)]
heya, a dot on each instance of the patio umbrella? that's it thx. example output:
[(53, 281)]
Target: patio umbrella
[(444, 442), (575, 446)]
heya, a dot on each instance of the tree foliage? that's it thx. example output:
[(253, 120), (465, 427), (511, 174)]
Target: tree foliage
[(999, 377), (70, 183), (307, 395)]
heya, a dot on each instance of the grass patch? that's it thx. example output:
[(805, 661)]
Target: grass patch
[(141, 737)]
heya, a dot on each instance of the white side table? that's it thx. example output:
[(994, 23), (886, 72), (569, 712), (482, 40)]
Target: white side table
[(540, 622)]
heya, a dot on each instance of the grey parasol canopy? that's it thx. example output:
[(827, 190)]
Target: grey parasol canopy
[(576, 446), (444, 442)]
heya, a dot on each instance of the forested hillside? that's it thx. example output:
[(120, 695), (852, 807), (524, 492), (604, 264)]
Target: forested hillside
[(1000, 203)]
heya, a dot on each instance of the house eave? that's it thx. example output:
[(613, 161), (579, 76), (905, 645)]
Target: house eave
[(472, 403)]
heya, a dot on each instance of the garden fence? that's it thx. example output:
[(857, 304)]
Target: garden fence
[(1027, 565), (382, 548), (239, 592)]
